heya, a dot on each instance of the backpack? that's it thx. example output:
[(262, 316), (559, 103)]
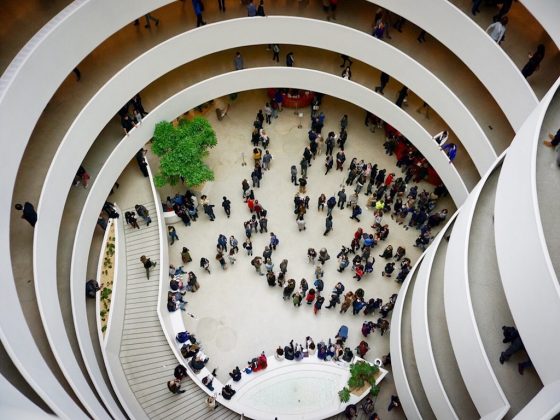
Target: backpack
[(182, 337)]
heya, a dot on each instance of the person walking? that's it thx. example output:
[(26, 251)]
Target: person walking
[(328, 225), (198, 9), (226, 204), (276, 53), (172, 234), (148, 265), (401, 98), (205, 264), (497, 30), (28, 212), (143, 213)]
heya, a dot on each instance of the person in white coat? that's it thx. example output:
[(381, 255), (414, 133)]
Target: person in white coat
[(497, 30)]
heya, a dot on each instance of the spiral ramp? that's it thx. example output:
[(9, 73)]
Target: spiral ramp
[(495, 263)]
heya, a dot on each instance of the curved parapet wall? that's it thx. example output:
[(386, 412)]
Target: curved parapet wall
[(480, 380), (397, 362), (527, 273), (547, 12), (452, 28), (423, 353)]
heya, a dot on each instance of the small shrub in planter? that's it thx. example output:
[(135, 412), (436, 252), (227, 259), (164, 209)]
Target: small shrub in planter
[(344, 395)]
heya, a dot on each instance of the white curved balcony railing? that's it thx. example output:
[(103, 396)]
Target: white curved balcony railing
[(545, 405), (478, 375), (427, 368), (110, 344), (13, 404), (473, 46), (522, 250), (395, 342), (100, 264), (547, 12)]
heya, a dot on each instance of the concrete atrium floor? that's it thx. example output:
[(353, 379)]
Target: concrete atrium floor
[(236, 314)]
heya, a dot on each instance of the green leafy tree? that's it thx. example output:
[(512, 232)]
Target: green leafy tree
[(182, 150)]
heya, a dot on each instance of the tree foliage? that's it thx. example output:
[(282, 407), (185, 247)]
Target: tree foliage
[(182, 150)]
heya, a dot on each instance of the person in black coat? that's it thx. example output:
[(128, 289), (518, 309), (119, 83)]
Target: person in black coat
[(28, 212)]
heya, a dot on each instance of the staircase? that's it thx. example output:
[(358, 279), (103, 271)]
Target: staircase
[(146, 358)]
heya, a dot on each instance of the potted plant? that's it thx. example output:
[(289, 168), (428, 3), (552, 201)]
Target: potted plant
[(362, 377)]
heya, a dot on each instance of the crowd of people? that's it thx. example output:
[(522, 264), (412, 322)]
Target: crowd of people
[(387, 195)]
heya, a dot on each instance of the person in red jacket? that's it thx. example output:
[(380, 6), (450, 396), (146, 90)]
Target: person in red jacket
[(310, 296), (389, 179), (251, 205), (362, 348)]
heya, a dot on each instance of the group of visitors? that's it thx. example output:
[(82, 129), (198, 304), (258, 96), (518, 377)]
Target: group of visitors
[(186, 207), (131, 114)]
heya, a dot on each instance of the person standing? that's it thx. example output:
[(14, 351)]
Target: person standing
[(293, 173), (28, 212), (394, 403), (260, 9), (268, 113), (504, 10), (383, 80), (534, 61), (251, 9), (321, 202), (238, 61), (142, 164), (341, 199), (303, 165), (290, 60), (186, 255), (340, 159), (127, 124), (329, 161)]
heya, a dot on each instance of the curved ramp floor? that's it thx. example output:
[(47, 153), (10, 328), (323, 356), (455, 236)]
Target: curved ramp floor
[(146, 358)]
